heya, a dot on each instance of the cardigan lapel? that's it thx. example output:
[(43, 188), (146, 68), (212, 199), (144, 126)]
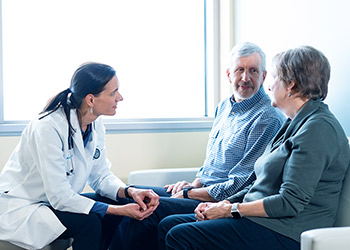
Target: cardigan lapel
[(290, 127)]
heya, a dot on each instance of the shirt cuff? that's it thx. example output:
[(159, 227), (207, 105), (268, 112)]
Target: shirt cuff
[(99, 208)]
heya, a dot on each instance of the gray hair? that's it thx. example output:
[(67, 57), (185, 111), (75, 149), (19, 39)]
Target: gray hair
[(246, 49), (307, 67)]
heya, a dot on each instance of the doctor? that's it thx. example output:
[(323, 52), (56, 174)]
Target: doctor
[(61, 151)]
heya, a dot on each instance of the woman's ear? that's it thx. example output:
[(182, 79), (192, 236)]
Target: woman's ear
[(290, 86), (89, 100)]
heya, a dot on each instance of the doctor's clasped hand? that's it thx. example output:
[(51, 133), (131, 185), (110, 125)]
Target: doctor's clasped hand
[(146, 202)]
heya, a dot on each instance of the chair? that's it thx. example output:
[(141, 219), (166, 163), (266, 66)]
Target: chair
[(337, 237), (56, 245), (161, 177)]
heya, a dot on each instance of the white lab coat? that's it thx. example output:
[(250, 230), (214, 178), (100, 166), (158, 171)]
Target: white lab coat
[(43, 171)]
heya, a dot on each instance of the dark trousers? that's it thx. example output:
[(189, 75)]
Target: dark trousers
[(136, 235), (184, 232), (89, 231)]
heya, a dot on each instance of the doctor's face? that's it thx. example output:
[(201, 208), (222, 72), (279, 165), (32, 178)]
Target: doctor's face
[(106, 102)]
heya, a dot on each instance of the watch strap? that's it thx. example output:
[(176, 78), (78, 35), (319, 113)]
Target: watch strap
[(126, 191), (185, 191), (235, 212)]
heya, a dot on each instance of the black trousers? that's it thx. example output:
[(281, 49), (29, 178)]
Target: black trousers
[(89, 231), (142, 235)]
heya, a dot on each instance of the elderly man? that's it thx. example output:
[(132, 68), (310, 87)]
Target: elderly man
[(244, 124)]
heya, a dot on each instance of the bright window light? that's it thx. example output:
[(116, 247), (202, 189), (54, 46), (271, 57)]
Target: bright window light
[(156, 46)]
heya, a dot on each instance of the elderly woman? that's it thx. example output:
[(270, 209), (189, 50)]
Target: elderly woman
[(299, 177)]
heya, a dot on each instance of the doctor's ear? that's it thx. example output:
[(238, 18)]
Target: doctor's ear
[(89, 99)]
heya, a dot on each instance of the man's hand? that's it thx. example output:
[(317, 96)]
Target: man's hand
[(179, 194), (195, 194), (145, 198), (211, 211), (177, 187)]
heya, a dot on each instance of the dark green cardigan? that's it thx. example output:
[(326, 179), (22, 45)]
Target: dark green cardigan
[(299, 177)]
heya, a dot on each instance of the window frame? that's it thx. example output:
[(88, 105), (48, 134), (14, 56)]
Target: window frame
[(120, 126)]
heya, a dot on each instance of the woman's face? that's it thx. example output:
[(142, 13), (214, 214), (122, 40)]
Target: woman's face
[(106, 102), (279, 92)]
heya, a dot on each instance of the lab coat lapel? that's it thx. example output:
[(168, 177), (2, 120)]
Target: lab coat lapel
[(91, 146), (77, 138)]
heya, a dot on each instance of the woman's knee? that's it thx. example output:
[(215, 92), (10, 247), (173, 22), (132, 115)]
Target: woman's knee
[(166, 224), (176, 238)]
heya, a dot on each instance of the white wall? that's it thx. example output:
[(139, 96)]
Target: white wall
[(129, 152), (277, 25)]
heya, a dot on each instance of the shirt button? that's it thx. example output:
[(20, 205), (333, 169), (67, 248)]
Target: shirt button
[(232, 113), (205, 172)]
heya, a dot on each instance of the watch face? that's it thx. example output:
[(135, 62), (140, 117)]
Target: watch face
[(234, 211), (235, 215)]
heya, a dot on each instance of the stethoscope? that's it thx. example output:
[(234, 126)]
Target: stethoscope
[(70, 157), (70, 141)]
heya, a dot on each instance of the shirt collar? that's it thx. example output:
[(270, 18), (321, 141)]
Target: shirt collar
[(248, 103), (87, 134)]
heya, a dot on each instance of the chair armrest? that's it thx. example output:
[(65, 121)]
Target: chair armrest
[(161, 177), (326, 239)]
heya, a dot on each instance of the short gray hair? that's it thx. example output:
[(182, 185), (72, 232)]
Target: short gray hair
[(307, 67), (246, 49)]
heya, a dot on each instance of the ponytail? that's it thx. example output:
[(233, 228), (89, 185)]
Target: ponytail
[(62, 99)]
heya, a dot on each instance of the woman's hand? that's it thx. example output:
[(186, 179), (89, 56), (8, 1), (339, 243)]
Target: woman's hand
[(131, 210), (211, 211)]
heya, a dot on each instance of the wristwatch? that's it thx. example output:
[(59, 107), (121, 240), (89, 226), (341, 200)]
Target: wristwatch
[(235, 212), (126, 191), (185, 191)]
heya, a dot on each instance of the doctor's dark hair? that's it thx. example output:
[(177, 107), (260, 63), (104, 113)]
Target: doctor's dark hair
[(89, 78), (308, 68)]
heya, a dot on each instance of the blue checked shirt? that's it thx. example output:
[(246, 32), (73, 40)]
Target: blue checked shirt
[(239, 135)]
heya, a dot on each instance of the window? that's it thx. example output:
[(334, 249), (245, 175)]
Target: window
[(159, 48), (280, 25)]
